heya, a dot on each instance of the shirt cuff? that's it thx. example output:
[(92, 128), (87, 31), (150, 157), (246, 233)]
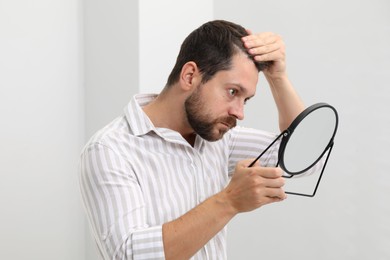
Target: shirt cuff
[(148, 243)]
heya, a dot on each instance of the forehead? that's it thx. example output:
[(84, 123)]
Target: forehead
[(243, 72)]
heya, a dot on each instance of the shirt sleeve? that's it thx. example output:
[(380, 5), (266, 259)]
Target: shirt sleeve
[(115, 206), (245, 143)]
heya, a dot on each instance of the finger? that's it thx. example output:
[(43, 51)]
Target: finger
[(251, 36), (268, 172), (245, 163), (265, 49), (256, 40), (276, 194), (271, 56), (274, 183), (269, 200)]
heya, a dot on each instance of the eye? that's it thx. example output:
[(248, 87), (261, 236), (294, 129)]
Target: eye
[(232, 92), (246, 100)]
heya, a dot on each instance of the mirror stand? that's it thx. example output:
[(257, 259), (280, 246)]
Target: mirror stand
[(329, 150), (284, 133)]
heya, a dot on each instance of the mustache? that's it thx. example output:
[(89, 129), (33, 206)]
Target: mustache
[(229, 120)]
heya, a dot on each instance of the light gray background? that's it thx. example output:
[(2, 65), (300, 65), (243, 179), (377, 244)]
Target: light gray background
[(338, 52), (68, 67)]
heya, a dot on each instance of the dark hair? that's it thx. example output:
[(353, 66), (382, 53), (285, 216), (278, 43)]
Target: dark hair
[(212, 47)]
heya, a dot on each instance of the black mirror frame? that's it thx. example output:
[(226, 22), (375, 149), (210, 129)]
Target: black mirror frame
[(286, 134), (290, 130)]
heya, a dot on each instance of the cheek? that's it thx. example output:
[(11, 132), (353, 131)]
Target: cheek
[(215, 102), (221, 109)]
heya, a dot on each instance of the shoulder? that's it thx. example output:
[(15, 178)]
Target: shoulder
[(110, 136)]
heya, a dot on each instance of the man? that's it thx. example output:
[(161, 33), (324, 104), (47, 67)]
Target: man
[(164, 179)]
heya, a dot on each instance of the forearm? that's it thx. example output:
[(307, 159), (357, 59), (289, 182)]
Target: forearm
[(186, 235), (288, 103)]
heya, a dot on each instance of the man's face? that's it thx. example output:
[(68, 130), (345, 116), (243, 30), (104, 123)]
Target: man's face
[(214, 107), (202, 121)]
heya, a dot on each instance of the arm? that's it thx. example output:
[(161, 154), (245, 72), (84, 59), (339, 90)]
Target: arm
[(270, 47), (250, 188), (115, 207)]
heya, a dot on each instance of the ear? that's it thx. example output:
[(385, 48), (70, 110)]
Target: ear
[(189, 76)]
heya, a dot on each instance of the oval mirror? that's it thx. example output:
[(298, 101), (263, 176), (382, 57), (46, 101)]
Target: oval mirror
[(308, 138), (305, 142)]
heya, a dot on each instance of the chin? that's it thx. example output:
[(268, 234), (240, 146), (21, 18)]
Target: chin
[(217, 136)]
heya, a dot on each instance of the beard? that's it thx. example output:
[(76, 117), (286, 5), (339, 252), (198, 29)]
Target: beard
[(202, 122)]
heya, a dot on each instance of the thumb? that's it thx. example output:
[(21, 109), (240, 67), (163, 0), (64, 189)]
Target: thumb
[(249, 163)]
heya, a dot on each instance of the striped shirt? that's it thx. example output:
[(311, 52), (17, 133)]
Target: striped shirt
[(134, 177)]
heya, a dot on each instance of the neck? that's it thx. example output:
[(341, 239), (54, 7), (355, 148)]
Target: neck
[(167, 111)]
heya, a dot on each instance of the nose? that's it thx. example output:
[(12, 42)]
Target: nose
[(237, 110)]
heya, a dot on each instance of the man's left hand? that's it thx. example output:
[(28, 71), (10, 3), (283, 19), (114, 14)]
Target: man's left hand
[(267, 46)]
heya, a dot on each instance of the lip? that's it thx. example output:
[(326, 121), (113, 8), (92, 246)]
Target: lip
[(226, 125)]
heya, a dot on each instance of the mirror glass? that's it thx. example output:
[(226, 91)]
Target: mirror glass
[(309, 140)]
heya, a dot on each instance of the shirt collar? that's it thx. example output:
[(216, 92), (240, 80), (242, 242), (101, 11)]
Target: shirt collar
[(139, 122)]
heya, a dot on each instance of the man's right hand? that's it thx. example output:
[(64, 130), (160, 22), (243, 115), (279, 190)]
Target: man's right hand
[(251, 188)]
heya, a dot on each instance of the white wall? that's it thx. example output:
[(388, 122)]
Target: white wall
[(111, 59), (130, 47), (337, 52), (41, 113), (163, 25)]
